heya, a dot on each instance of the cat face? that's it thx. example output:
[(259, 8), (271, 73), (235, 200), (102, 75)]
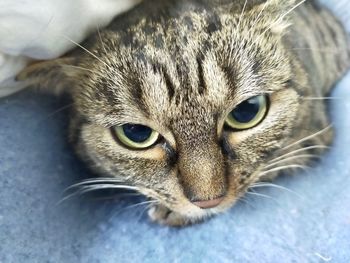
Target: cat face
[(190, 108), (176, 93)]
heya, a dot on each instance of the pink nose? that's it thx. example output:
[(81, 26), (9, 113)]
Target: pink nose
[(209, 203)]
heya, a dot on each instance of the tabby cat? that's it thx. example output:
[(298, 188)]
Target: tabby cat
[(192, 102)]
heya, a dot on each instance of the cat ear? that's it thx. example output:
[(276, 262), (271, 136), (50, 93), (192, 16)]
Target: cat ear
[(54, 76)]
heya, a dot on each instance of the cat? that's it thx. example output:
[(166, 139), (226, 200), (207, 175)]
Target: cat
[(193, 102)]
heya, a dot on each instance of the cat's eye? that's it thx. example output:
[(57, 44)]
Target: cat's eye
[(136, 136), (248, 114)]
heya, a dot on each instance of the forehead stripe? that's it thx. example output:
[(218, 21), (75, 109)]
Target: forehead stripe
[(202, 86), (169, 84)]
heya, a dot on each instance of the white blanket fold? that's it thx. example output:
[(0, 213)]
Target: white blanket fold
[(40, 29)]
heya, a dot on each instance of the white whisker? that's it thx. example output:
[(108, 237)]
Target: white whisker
[(102, 179), (85, 189), (258, 185), (292, 158), (85, 49), (139, 204), (94, 181), (299, 151), (108, 186), (144, 210), (285, 167), (308, 137), (244, 200), (262, 195)]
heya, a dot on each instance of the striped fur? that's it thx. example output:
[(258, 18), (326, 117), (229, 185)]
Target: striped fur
[(180, 67)]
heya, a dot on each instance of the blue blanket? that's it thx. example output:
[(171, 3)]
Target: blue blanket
[(309, 223)]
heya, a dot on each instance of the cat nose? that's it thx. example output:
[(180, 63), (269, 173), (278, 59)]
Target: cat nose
[(208, 203)]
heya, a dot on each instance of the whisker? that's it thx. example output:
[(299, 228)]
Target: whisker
[(94, 181), (108, 186), (138, 204), (292, 158), (244, 200), (144, 210), (142, 203), (262, 195), (85, 49), (258, 185), (299, 151), (102, 179), (308, 137), (67, 197), (85, 189), (285, 167)]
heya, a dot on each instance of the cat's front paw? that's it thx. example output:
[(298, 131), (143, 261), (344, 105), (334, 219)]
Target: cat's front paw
[(163, 215)]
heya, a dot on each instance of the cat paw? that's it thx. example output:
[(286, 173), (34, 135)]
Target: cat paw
[(164, 216)]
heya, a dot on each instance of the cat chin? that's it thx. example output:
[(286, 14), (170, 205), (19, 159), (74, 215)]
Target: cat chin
[(183, 216), (162, 215)]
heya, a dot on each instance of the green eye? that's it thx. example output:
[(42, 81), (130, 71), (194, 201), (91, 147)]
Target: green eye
[(248, 114), (136, 136)]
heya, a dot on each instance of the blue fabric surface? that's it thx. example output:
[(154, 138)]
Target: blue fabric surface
[(37, 164)]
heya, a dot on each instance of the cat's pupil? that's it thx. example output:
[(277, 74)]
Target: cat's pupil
[(137, 133), (247, 110)]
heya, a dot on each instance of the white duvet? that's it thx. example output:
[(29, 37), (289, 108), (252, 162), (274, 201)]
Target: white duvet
[(40, 29)]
